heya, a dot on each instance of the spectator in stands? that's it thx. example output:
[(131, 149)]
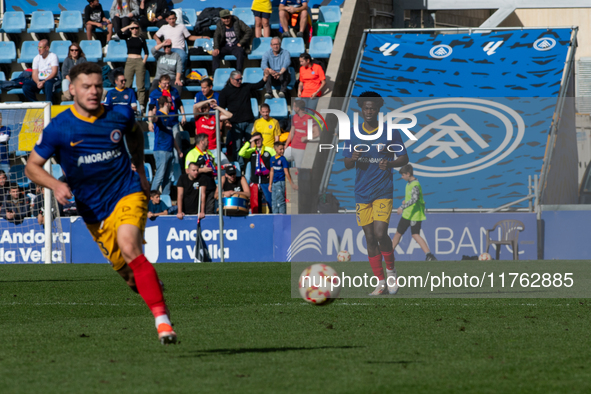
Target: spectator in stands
[(262, 10), (5, 132), (94, 17), (288, 9), (16, 208), (122, 13), (164, 89), (190, 190), (236, 97), (312, 79), (232, 185), (37, 203), (153, 13), (167, 63), (156, 207), (206, 92), (201, 149), (279, 172), (231, 37), (267, 126), (205, 124), (75, 56), (46, 74), (276, 61), (121, 95), (177, 35), (260, 164), (298, 135), (164, 143), (135, 64), (4, 187)]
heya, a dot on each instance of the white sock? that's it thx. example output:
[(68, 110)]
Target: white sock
[(163, 319), (382, 283), (391, 273)]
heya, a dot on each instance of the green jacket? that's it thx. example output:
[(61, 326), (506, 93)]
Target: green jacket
[(250, 154), (243, 34)]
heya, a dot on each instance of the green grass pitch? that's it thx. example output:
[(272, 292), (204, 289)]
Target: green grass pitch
[(79, 329)]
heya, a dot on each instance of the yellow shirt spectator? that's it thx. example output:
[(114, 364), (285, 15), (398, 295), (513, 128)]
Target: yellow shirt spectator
[(262, 6), (269, 128)]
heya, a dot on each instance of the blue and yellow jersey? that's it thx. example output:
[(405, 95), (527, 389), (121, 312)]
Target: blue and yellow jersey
[(120, 97), (93, 157), (371, 183)]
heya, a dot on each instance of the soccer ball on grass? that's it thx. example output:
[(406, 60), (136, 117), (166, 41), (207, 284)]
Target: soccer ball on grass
[(343, 256), (484, 257), (319, 284)]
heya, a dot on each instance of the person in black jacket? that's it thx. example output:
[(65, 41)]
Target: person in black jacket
[(153, 13), (95, 17), (235, 96), (231, 36), (16, 209)]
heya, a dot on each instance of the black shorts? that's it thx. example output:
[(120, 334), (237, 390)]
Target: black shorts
[(260, 14), (415, 227)]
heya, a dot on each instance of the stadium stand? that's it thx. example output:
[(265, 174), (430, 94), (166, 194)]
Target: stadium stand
[(92, 49), (70, 22), (149, 143), (189, 18), (188, 105), (221, 77), (294, 45), (17, 175), (274, 21), (205, 43), (7, 52), (148, 170), (41, 22), (14, 22), (329, 13), (165, 198), (252, 74), (116, 51), (196, 88), (278, 107), (146, 81), (28, 51), (255, 107), (60, 48), (320, 47), (259, 47), (245, 15), (150, 44)]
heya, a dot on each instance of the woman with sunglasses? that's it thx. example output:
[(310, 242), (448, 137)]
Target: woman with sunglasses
[(122, 13), (136, 63), (75, 56)]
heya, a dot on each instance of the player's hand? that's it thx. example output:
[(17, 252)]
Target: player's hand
[(356, 155), (399, 211), (180, 215), (62, 193), (201, 215), (383, 164)]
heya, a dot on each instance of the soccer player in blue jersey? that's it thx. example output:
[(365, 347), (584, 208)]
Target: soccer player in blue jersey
[(111, 198), (121, 95), (374, 185)]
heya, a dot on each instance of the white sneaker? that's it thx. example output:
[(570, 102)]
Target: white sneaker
[(392, 283), (380, 290)]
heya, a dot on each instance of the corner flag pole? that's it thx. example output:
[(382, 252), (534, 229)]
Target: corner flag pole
[(220, 201)]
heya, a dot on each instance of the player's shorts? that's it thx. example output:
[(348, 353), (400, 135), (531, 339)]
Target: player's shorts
[(378, 210), (260, 14), (403, 224), (131, 209)]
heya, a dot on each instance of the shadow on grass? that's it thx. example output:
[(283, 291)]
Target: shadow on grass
[(230, 352), (50, 280)]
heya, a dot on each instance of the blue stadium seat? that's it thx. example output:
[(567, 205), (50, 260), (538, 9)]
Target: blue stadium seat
[(205, 43), (259, 46), (320, 47), (274, 21), (92, 49), (14, 22), (146, 81), (67, 103), (278, 107), (196, 88), (255, 107), (329, 13), (294, 45), (188, 106), (149, 143), (17, 175), (2, 76), (221, 77), (165, 198), (245, 15), (14, 75), (28, 51), (7, 52), (116, 51), (292, 81), (189, 18), (41, 22), (56, 171), (150, 44), (70, 22), (60, 48), (252, 75), (148, 170)]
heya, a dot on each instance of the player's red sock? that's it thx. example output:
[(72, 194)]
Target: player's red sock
[(148, 285), (376, 266), (389, 259)]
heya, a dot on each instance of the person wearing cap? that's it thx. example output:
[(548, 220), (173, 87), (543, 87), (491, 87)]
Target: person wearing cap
[(230, 38), (232, 185)]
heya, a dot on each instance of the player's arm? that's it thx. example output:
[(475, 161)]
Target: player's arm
[(224, 113), (180, 191), (135, 145), (350, 160), (271, 175), (245, 189), (399, 162), (414, 197), (35, 172)]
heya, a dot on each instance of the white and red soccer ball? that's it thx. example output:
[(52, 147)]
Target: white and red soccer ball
[(344, 256), (319, 284), (484, 257)]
